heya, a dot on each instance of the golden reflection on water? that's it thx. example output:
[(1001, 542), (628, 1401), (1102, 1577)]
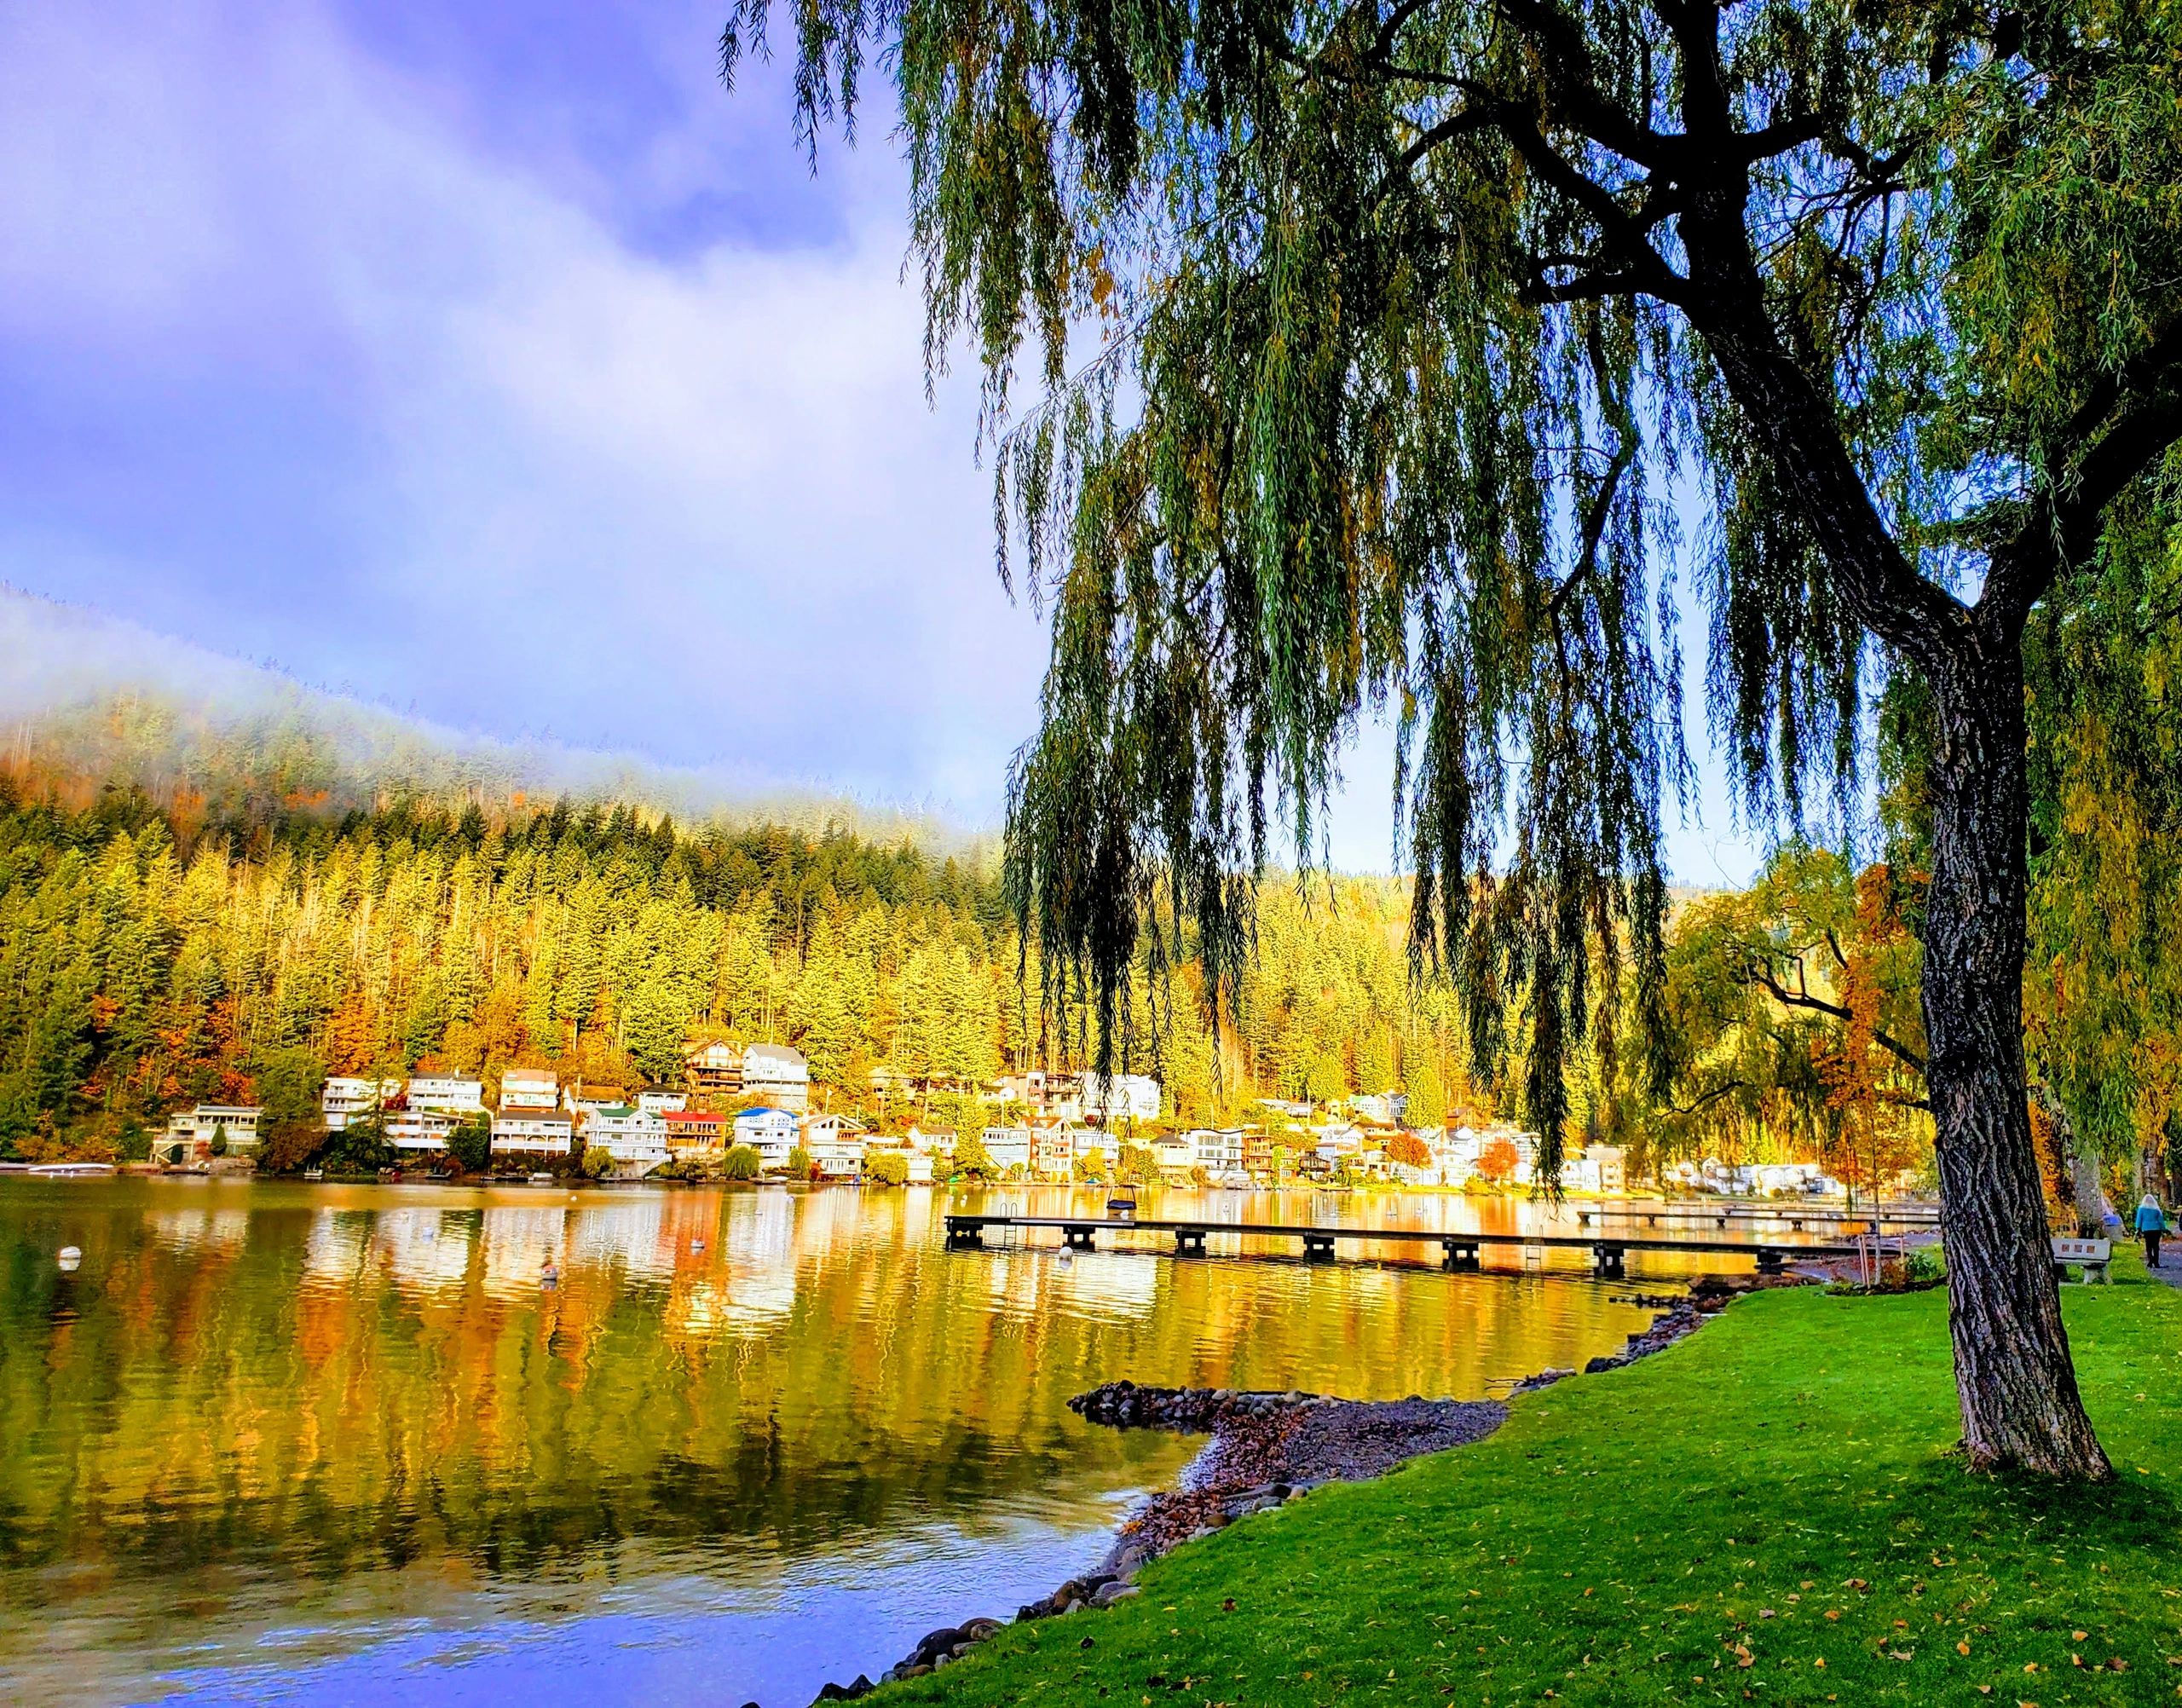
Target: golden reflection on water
[(282, 1409)]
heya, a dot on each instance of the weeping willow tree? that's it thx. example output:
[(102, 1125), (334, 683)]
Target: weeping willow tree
[(1376, 343)]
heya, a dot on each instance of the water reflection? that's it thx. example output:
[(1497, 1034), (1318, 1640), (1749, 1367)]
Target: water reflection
[(341, 1441)]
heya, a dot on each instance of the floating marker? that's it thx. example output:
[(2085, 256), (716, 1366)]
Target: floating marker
[(69, 1257)]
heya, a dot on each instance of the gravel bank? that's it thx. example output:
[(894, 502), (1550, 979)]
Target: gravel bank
[(1269, 1447)]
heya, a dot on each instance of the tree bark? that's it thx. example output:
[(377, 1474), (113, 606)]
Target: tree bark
[(2013, 1374)]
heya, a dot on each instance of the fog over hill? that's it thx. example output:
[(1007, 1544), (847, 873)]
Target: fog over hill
[(89, 700)]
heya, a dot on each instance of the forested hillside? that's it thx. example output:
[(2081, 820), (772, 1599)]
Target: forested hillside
[(148, 960)]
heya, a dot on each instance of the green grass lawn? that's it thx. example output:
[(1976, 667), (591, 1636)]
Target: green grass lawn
[(1766, 1512)]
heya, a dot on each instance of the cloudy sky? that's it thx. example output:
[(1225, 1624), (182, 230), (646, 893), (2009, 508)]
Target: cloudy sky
[(491, 361)]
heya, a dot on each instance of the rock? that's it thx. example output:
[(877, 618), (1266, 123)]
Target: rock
[(919, 1670), (1108, 1593), (980, 1630), (1597, 1365), (937, 1643)]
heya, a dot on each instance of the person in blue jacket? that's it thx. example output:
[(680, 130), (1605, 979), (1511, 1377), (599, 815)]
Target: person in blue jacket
[(2152, 1222)]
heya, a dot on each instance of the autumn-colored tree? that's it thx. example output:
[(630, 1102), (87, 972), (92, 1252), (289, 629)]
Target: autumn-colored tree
[(1496, 1159), (1409, 1150)]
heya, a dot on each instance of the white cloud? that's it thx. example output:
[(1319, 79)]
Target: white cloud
[(481, 454), (697, 505)]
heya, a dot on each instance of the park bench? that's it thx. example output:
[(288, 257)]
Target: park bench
[(2094, 1254)]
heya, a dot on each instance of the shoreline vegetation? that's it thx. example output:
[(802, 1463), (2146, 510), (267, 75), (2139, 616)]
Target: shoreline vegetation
[(1774, 1510)]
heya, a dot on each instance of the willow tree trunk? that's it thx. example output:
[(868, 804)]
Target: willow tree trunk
[(2012, 1371)]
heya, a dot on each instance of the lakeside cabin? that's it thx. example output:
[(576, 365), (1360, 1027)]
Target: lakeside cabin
[(190, 1132), (345, 1098), (777, 1074), (771, 1133), (527, 1089), (694, 1134), (541, 1132), (446, 1093), (713, 1072), (634, 1138)]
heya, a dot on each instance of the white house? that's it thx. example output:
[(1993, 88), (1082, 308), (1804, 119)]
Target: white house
[(1053, 1149), (1454, 1153), (1786, 1177), (771, 1133), (1009, 1147), (1217, 1149), (826, 1130), (533, 1132), (627, 1135), (446, 1093), (1337, 1142), (662, 1099), (1098, 1141), (529, 1089), (837, 1158), (1380, 1108), (190, 1131), (1130, 1097), (344, 1099), (1173, 1156), (777, 1074), (421, 1131)]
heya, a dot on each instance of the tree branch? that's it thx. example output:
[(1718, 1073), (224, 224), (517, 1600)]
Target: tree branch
[(2141, 404), (1760, 975)]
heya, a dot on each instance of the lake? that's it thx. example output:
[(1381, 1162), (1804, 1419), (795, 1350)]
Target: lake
[(339, 1444)]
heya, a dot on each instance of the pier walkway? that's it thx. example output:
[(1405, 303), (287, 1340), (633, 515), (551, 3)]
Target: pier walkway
[(1736, 1215), (1608, 1250)]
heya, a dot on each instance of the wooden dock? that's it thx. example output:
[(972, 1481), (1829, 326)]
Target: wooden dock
[(1729, 1215), (1460, 1250)]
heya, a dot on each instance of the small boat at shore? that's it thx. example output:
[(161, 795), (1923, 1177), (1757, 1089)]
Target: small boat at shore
[(70, 1171)]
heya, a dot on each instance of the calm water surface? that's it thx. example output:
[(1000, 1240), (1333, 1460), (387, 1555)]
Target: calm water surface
[(338, 1445)]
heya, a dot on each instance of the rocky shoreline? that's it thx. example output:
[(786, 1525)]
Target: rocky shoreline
[(1268, 1448)]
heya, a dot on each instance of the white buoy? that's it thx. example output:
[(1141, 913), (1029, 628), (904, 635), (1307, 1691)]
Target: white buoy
[(69, 1257)]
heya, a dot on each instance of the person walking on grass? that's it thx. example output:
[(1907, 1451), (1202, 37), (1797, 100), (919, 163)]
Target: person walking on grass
[(2152, 1222)]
